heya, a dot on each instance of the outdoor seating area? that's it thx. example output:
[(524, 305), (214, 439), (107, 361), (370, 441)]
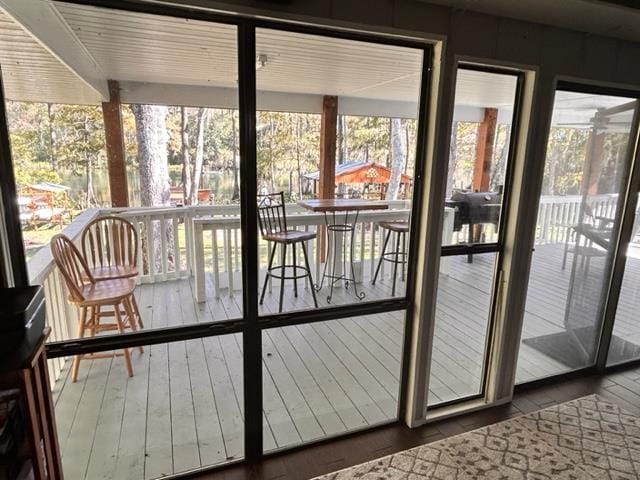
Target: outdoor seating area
[(320, 379), (254, 233)]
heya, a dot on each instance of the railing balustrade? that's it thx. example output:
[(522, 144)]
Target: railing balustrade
[(180, 242), (557, 214), (224, 235)]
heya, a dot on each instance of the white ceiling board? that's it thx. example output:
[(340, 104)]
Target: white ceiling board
[(304, 63), (579, 109), (45, 24), (151, 48), (483, 89), (31, 73), (147, 48)]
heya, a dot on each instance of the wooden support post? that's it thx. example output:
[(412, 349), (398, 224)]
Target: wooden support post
[(484, 150), (116, 163), (482, 166), (327, 174), (328, 135), (595, 154)]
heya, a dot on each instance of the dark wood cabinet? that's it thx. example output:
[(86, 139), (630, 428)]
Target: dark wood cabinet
[(24, 380)]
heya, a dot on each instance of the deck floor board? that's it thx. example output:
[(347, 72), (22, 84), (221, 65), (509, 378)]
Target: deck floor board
[(184, 406)]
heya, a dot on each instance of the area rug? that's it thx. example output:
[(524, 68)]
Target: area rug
[(582, 439)]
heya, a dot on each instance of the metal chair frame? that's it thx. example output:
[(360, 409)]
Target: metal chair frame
[(397, 257), (272, 219)]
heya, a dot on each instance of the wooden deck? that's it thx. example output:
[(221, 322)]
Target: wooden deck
[(183, 407)]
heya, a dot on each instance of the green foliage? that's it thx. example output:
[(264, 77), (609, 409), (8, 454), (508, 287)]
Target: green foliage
[(288, 148), (56, 143)]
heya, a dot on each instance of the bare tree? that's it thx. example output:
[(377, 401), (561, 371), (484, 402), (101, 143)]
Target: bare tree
[(52, 138), (152, 137), (91, 196), (453, 158), (186, 159), (236, 168), (397, 159), (201, 121)]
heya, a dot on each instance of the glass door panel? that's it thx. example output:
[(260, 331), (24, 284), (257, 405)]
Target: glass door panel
[(336, 143), (326, 378), (477, 189), (625, 343), (585, 170)]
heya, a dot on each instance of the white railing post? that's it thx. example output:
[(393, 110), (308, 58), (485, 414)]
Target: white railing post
[(198, 256)]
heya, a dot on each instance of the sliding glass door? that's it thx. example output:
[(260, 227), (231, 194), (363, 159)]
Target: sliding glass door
[(271, 176), (579, 218), (477, 192), (337, 125)]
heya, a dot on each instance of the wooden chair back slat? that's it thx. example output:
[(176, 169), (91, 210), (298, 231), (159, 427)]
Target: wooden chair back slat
[(72, 266), (110, 242), (272, 216)]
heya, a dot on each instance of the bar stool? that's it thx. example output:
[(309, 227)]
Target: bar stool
[(90, 296), (399, 256), (110, 249), (273, 227)]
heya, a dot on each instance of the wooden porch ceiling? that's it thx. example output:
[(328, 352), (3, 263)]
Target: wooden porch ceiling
[(66, 53), (63, 53)]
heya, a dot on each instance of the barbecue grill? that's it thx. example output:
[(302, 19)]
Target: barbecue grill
[(475, 208)]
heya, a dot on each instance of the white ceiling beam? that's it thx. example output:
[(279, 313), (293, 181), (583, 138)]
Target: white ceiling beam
[(43, 21)]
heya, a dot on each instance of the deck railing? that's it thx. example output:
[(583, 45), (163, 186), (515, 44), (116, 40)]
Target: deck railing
[(557, 214), (221, 234), (180, 242), (61, 317)]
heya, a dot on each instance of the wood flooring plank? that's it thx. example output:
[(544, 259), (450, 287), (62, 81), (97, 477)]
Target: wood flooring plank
[(77, 453), (184, 436)]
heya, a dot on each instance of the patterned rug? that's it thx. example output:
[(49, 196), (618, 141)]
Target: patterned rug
[(582, 439)]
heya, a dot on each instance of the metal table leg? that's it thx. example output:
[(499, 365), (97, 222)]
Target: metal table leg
[(338, 255)]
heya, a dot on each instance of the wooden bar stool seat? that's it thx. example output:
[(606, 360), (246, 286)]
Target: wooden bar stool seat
[(402, 227), (91, 297), (399, 255), (290, 236), (113, 272), (107, 291)]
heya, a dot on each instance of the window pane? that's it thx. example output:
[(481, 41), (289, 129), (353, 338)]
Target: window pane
[(480, 140), (323, 379), (625, 344), (181, 409), (337, 119), (570, 270), (175, 108), (462, 317)]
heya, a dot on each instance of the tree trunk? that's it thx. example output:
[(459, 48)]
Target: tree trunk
[(407, 143), (297, 136), (91, 197), (52, 138), (236, 168), (186, 160), (397, 159), (152, 137), (201, 121), (453, 158)]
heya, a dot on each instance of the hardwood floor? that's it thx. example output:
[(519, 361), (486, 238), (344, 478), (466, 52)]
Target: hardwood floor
[(622, 387)]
